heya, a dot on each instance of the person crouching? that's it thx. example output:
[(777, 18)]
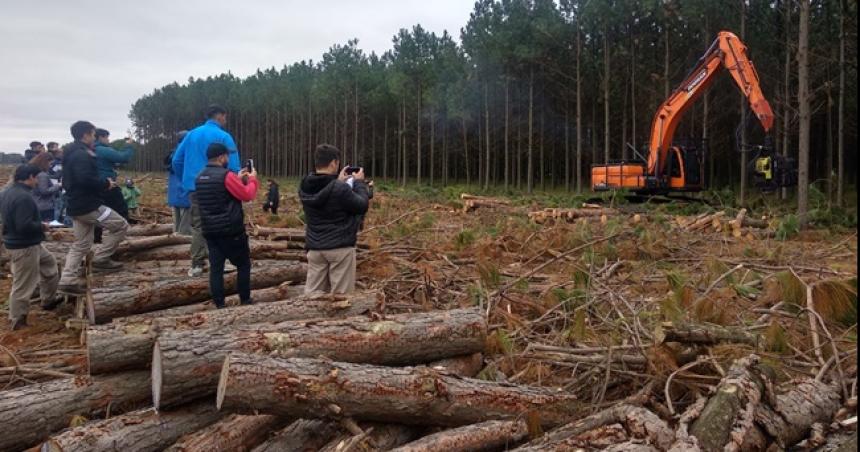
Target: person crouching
[(220, 194)]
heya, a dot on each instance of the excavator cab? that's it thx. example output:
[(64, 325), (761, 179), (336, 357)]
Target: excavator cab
[(684, 169)]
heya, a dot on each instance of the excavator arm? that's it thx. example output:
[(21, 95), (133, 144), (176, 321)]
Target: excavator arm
[(727, 52)]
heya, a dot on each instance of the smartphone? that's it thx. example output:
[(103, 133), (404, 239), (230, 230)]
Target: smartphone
[(352, 169), (249, 165)]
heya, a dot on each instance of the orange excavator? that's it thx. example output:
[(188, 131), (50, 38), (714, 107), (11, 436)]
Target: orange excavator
[(674, 168)]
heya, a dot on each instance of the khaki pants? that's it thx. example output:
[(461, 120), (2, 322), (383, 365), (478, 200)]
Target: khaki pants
[(199, 253), (331, 271), (182, 220), (83, 226), (32, 266)]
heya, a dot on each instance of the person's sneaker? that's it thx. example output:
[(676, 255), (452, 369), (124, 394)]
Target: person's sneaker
[(72, 288), (20, 322), (52, 304), (195, 272), (107, 264), (229, 268)]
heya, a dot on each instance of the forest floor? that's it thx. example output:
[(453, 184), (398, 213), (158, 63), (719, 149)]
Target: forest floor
[(579, 305)]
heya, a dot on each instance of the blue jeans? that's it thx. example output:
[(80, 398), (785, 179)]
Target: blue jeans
[(237, 251), (60, 210)]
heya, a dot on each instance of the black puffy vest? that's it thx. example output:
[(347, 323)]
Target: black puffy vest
[(221, 214)]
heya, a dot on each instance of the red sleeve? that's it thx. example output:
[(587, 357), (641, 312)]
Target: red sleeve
[(239, 190)]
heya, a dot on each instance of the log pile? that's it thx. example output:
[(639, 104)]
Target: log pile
[(742, 225), (473, 202)]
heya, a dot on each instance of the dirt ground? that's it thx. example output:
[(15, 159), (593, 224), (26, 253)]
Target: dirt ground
[(577, 305)]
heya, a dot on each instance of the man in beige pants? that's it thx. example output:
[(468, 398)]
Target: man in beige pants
[(23, 232), (85, 188), (335, 200)]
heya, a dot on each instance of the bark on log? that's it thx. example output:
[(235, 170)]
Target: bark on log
[(149, 229), (464, 366), (301, 436), (376, 437), (809, 402), (414, 396), (490, 435), (126, 344), (160, 295), (292, 234), (30, 414), (146, 243), (185, 364), (284, 291), (235, 433), (638, 422), (705, 334), (259, 250), (138, 431), (729, 414), (704, 222)]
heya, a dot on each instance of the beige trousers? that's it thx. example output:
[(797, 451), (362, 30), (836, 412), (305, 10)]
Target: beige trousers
[(115, 228), (331, 271), (32, 266)]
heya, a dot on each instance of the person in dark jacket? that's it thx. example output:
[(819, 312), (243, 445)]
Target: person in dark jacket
[(45, 192), (85, 188), (34, 150), (220, 194), (107, 160), (334, 203), (56, 174), (273, 198), (23, 233)]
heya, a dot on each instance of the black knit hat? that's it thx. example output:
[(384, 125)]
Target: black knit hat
[(216, 150)]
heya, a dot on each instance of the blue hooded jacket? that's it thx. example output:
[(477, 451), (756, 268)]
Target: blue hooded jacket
[(176, 195), (108, 158), (190, 157)]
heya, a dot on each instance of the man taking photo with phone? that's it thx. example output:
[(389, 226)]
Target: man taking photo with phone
[(334, 201), (220, 194)]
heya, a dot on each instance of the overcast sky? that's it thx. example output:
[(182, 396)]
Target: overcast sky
[(61, 61)]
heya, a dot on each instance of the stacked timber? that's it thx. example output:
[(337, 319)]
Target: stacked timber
[(742, 225), (560, 215), (473, 202)]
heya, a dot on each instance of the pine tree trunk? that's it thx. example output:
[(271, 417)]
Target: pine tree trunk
[(185, 364), (541, 151), (140, 431), (489, 435), (31, 413), (418, 156), (466, 151), (829, 141), (579, 111), (355, 113), (666, 90), (385, 148), (487, 135), (840, 146), (301, 436), (804, 110), (508, 132), (432, 145), (411, 396), (742, 196), (607, 137), (786, 118), (127, 344), (567, 185), (530, 166)]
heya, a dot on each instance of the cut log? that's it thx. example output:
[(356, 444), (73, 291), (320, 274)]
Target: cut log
[(738, 223), (284, 291), (149, 229), (30, 414), (138, 431), (729, 415), (638, 422), (490, 435), (705, 334), (292, 234), (375, 437), (147, 243), (151, 296), (704, 222), (464, 366), (809, 402), (301, 436), (302, 387), (185, 364), (235, 433), (127, 344), (259, 249)]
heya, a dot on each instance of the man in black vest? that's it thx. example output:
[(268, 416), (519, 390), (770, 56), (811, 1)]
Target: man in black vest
[(220, 194)]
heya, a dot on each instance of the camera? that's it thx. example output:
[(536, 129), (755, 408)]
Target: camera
[(249, 165), (352, 169)]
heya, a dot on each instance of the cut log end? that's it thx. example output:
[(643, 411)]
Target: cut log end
[(222, 383), (51, 446), (156, 376)]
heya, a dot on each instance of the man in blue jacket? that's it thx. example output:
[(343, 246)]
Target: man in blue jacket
[(190, 159), (177, 197), (107, 160)]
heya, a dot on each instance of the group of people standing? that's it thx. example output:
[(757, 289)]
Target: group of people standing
[(207, 187)]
